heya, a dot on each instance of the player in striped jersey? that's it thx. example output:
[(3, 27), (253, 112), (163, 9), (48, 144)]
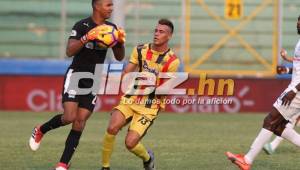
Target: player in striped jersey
[(154, 57)]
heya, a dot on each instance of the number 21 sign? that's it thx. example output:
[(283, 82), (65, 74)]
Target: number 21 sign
[(233, 9)]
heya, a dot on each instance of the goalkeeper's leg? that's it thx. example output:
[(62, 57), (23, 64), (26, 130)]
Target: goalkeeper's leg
[(73, 138), (70, 111)]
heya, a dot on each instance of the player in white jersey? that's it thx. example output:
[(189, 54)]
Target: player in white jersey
[(271, 147), (278, 120)]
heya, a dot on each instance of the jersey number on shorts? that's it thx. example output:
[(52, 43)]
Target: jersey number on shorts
[(143, 120), (94, 100)]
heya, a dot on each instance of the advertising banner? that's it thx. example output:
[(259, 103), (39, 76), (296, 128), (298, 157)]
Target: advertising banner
[(43, 93)]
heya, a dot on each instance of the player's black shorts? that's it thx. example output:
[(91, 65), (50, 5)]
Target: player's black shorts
[(86, 101)]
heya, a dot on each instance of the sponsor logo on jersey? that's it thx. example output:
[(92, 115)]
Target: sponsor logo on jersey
[(73, 33), (146, 67), (86, 24)]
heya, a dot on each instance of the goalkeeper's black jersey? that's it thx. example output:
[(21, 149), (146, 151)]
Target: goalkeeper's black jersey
[(91, 54)]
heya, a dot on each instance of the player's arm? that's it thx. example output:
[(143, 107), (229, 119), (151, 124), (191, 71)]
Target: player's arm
[(133, 64), (119, 49), (284, 56), (289, 96), (78, 38), (73, 47), (130, 68), (284, 69), (74, 44)]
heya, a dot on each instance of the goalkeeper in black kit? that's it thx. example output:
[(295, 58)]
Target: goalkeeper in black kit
[(83, 47)]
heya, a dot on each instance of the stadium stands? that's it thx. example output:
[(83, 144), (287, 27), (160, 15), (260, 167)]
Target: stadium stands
[(30, 29)]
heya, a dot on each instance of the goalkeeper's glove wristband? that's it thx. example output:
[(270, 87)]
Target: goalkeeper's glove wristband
[(84, 39)]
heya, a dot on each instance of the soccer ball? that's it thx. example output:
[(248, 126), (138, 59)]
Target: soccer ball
[(108, 36)]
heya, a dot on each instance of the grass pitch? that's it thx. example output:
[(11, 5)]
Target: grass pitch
[(179, 141)]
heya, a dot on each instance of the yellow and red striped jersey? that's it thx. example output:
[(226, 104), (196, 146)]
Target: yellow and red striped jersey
[(149, 60)]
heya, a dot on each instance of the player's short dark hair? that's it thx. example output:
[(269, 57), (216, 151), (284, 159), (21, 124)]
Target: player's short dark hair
[(94, 2), (299, 17), (167, 23)]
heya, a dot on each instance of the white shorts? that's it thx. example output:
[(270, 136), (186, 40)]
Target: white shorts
[(290, 112)]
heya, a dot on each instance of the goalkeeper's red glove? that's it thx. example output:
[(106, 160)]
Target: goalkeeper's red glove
[(92, 35)]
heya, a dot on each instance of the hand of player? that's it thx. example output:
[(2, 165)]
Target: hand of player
[(284, 55), (281, 70), (92, 35), (121, 36), (287, 98)]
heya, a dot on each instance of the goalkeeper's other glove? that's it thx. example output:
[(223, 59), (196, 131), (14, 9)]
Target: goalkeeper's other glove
[(121, 36)]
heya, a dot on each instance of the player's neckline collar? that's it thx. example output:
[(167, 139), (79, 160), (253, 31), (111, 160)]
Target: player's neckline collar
[(158, 52), (93, 22)]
